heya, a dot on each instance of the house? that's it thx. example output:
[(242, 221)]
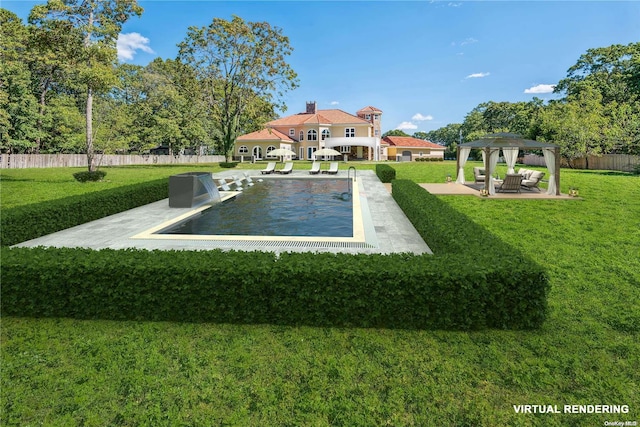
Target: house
[(406, 148), (356, 136)]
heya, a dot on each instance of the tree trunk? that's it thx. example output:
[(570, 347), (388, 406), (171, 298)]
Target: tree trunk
[(89, 113), (89, 110)]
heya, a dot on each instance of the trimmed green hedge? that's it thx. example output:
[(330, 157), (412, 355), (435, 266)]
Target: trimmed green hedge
[(31, 221), (385, 173), (334, 290), (473, 281)]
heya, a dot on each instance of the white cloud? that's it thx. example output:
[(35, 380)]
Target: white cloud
[(420, 117), (476, 75), (406, 125), (470, 40), (334, 103), (129, 43), (540, 89), (454, 4)]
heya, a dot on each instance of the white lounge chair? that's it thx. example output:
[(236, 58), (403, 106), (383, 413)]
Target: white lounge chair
[(248, 179), (315, 168), (222, 184), (271, 166), (333, 168), (288, 167), (237, 182)]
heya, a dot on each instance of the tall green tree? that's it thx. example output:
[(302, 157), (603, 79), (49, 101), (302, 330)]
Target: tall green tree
[(18, 108), (612, 71), (240, 64), (395, 132), (97, 23)]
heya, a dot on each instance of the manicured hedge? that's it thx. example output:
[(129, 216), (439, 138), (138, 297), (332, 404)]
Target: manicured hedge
[(385, 173), (335, 290), (473, 281), (30, 221)]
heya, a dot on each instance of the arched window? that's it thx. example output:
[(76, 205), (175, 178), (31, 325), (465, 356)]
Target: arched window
[(301, 135), (243, 149), (312, 135), (270, 149), (326, 134)]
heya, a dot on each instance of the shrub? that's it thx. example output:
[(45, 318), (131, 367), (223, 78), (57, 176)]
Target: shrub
[(385, 172), (87, 176), (31, 221), (228, 165), (473, 281)]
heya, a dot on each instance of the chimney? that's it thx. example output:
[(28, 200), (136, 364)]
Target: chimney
[(311, 107)]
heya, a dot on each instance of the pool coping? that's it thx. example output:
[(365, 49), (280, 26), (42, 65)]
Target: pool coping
[(388, 229)]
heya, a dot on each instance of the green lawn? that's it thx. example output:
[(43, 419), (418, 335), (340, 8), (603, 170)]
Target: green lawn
[(94, 373)]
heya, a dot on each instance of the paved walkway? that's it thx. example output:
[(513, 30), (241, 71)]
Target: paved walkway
[(386, 227)]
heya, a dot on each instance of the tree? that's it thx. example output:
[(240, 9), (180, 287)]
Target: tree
[(608, 70), (239, 64), (395, 132), (97, 23), (18, 109)]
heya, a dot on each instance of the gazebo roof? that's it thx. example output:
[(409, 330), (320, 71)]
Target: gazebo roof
[(507, 140)]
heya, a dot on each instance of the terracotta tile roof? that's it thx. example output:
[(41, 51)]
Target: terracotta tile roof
[(328, 117), (409, 142), (266, 135), (369, 109)]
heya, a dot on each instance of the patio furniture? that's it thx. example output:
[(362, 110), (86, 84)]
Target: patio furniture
[(478, 174), (531, 179), (271, 166), (315, 168), (511, 183), (223, 185), (333, 168), (248, 179), (288, 167)]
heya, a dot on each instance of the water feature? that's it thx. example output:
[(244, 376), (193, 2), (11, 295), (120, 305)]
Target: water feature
[(192, 189)]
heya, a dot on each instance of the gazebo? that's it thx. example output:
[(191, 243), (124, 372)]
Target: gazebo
[(510, 144)]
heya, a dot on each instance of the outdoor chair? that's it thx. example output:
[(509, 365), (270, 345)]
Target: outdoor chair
[(288, 167), (478, 174), (248, 179), (271, 167), (333, 168), (315, 168), (532, 180), (222, 184), (511, 183), (237, 182)]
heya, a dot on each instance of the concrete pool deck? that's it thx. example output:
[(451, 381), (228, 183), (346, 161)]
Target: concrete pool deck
[(386, 227)]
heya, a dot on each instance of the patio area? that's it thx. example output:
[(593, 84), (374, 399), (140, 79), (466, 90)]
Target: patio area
[(474, 190)]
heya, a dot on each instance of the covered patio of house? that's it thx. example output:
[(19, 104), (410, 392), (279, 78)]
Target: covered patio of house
[(510, 144)]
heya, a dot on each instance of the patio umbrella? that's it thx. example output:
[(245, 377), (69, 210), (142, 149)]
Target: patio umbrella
[(327, 152), (281, 152)]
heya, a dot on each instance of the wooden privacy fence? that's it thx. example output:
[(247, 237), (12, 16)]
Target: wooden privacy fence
[(614, 162), (21, 161)]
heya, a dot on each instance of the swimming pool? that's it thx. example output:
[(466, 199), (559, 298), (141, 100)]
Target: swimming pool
[(277, 207)]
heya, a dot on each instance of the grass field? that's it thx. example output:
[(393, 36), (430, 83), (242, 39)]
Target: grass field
[(94, 373)]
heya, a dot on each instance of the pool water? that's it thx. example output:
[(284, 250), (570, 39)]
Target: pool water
[(278, 207)]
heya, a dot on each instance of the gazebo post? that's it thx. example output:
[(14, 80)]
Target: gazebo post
[(557, 153), (457, 161), (487, 167)]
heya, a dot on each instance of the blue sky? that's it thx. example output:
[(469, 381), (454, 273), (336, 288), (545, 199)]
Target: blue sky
[(424, 64)]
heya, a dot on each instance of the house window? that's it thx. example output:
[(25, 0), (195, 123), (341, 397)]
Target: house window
[(270, 149), (377, 133), (326, 134), (243, 149), (345, 149), (301, 136), (376, 117), (312, 135), (350, 132), (292, 133), (367, 116)]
